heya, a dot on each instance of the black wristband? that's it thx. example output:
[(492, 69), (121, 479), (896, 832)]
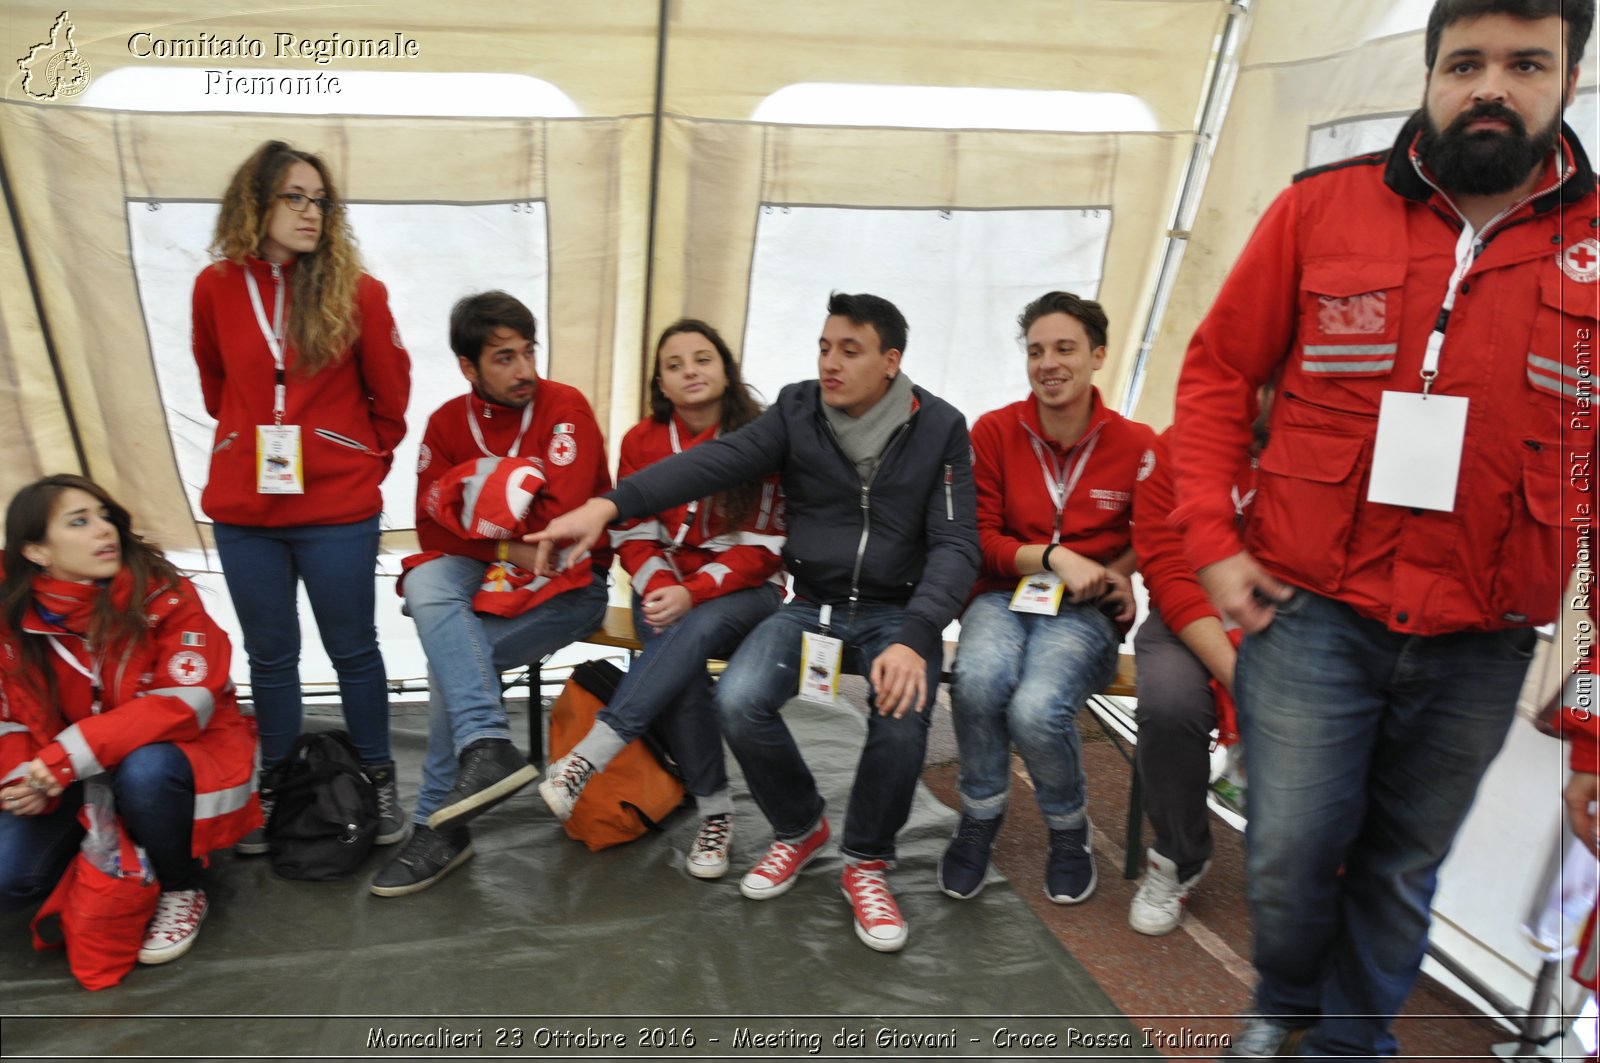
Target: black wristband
[(1044, 558)]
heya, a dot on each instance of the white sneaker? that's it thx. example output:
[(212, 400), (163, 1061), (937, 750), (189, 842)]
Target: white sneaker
[(174, 927), (708, 856), (1158, 905), (563, 784)]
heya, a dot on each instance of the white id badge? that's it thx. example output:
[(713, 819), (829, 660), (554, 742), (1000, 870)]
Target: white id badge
[(819, 667), (1416, 459), (1038, 593), (279, 469)]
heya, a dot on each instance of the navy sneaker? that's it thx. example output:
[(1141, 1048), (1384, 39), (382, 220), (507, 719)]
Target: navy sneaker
[(426, 858), (963, 868), (1069, 876)]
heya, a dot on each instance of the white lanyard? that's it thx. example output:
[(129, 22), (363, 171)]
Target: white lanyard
[(1056, 480), (694, 507), (273, 334), (516, 444), (1241, 504), (1466, 251), (91, 674)]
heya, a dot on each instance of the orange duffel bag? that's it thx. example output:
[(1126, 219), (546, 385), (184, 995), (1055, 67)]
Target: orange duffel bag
[(639, 788)]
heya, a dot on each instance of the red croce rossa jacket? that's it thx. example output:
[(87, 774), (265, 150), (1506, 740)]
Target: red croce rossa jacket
[(172, 687), (351, 414), (709, 559)]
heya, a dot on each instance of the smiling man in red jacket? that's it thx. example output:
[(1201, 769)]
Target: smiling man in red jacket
[(1430, 314)]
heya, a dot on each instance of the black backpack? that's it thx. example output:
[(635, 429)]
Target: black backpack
[(325, 809)]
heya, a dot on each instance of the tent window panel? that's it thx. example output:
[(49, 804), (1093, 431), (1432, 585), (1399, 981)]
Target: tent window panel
[(959, 276), (428, 255)]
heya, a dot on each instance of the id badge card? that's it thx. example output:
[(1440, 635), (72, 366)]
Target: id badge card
[(279, 469), (1039, 593), (819, 667), (1416, 458)]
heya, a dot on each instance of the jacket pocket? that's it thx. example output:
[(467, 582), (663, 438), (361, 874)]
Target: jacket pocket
[(1530, 569), (1350, 316), (342, 440), (1307, 495), (1563, 329)]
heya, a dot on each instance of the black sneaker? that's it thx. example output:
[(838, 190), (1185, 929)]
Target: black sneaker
[(1069, 876), (491, 771), (963, 867), (429, 856), (392, 824)]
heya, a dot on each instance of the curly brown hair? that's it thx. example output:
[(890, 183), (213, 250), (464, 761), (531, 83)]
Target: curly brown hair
[(322, 308)]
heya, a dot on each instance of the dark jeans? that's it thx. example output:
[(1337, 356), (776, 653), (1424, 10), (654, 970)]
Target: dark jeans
[(1365, 748), (765, 673), (154, 793), (263, 567), (1176, 715), (668, 685)]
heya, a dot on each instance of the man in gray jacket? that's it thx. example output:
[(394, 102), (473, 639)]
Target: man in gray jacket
[(883, 549)]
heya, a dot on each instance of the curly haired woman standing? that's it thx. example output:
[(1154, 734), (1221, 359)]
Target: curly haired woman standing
[(301, 364)]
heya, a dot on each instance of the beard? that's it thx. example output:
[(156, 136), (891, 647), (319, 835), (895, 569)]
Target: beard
[(1486, 163)]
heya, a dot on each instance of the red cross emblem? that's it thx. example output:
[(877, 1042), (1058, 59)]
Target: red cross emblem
[(563, 449), (187, 667), (1581, 261)]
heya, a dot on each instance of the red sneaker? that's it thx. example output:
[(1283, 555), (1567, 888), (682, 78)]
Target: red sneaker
[(879, 923), (777, 871)]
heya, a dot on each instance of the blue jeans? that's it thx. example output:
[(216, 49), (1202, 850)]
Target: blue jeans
[(467, 651), (336, 562), (1022, 677), (1364, 749), (765, 673), (669, 684), (153, 789)]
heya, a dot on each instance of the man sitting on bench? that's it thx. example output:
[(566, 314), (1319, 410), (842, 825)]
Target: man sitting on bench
[(882, 547), (516, 442)]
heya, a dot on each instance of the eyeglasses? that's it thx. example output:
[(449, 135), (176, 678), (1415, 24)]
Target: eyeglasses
[(298, 203)]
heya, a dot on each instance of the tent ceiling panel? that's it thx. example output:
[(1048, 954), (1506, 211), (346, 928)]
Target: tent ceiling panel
[(602, 53), (726, 56)]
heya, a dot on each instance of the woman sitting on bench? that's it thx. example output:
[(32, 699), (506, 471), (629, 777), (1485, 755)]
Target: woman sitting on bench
[(109, 663), (704, 575), (1055, 475)]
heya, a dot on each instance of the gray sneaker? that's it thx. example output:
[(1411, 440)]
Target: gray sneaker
[(392, 824), (1265, 1038), (255, 843), (426, 858)]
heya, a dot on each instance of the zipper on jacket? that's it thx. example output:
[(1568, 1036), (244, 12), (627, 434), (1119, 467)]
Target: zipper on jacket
[(227, 441), (866, 509), (344, 441), (949, 492)]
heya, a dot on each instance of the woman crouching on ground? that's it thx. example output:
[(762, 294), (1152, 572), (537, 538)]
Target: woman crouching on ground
[(1055, 475), (704, 575), (109, 663)]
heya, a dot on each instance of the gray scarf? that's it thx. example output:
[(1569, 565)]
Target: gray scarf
[(863, 438)]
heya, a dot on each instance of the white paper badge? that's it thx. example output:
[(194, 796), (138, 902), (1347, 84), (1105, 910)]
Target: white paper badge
[(1040, 592), (279, 469), (1417, 456), (819, 667)]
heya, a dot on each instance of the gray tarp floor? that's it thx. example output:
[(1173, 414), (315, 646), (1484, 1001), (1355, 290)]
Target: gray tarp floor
[(539, 940)]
